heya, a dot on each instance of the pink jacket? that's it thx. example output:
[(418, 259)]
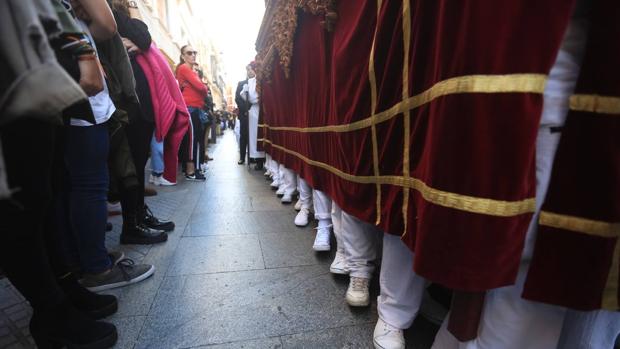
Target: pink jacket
[(168, 103)]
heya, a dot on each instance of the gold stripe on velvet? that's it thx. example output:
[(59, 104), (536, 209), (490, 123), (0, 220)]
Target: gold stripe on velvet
[(610, 292), (491, 207), (372, 78), (580, 225), (407, 113), (510, 83), (595, 104)]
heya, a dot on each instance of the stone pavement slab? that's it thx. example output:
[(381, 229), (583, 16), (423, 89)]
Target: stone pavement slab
[(235, 273)]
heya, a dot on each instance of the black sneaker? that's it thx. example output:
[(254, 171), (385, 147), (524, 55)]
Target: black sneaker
[(64, 326), (140, 235), (150, 221), (126, 272), (196, 176), (96, 306)]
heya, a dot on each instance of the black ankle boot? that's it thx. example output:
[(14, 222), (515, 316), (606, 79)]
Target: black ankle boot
[(141, 235), (96, 306), (150, 221), (64, 326)]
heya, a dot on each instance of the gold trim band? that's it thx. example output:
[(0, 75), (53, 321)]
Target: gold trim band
[(580, 225), (510, 83), (595, 104), (407, 114), (438, 197), (372, 79)]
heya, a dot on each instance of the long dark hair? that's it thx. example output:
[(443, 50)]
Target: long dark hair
[(181, 61)]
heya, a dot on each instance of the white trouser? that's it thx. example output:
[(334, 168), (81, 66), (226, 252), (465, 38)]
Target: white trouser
[(289, 180), (274, 167), (281, 169), (337, 227), (360, 245), (305, 193), (253, 132), (401, 288), (322, 205), (509, 321)]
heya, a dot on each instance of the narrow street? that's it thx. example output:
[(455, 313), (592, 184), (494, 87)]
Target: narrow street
[(235, 273)]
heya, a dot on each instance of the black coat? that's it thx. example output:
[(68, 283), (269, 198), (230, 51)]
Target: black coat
[(242, 104)]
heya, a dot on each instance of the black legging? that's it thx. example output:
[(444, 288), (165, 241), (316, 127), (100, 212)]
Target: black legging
[(139, 134), (23, 256), (244, 136), (198, 133)]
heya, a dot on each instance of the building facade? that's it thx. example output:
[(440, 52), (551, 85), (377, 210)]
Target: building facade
[(172, 24)]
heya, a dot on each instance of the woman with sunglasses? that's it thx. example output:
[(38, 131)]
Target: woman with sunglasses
[(194, 93)]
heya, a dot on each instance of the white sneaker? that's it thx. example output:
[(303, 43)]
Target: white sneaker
[(280, 191), (162, 181), (267, 173), (275, 184), (387, 336), (321, 241), (152, 179), (357, 293), (339, 265), (301, 220), (298, 205), (287, 198)]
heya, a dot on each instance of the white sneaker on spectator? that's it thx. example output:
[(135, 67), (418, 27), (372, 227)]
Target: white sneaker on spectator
[(387, 336), (301, 220), (357, 293), (339, 265), (275, 184), (298, 205), (287, 198), (321, 241), (162, 181), (152, 179)]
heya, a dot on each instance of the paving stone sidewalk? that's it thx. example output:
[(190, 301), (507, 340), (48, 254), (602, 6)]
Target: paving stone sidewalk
[(235, 273)]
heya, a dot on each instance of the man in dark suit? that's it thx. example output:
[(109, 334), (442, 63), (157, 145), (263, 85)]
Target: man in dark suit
[(244, 107)]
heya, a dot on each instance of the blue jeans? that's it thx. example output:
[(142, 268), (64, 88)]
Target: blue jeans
[(590, 330), (86, 159), (157, 157)]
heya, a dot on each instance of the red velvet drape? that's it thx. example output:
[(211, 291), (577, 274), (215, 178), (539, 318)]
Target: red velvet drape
[(572, 267), (460, 145)]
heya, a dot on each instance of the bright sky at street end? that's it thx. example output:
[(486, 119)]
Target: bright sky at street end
[(233, 26)]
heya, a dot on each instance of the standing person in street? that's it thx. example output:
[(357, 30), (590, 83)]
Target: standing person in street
[(244, 108), (249, 94), (194, 92), (137, 39)]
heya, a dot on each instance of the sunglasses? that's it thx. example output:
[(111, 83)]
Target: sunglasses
[(191, 53)]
